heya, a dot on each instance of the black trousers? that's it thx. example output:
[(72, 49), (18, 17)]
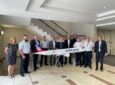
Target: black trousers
[(35, 60), (83, 55), (43, 57), (88, 58), (52, 59), (99, 58), (78, 59), (61, 60), (65, 60), (70, 59), (24, 64)]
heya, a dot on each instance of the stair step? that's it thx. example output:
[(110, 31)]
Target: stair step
[(39, 31)]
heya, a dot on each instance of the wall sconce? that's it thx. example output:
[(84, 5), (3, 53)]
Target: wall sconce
[(2, 32)]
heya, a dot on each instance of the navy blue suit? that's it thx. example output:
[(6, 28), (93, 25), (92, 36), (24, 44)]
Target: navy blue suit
[(60, 45), (68, 46), (100, 54), (35, 56)]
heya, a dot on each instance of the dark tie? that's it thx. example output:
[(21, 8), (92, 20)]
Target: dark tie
[(60, 45)]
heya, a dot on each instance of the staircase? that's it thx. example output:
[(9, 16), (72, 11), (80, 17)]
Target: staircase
[(37, 26), (21, 21), (38, 31)]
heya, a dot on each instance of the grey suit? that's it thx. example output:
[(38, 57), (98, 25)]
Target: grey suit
[(52, 46)]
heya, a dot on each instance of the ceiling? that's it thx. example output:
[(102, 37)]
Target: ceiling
[(109, 27), (80, 11)]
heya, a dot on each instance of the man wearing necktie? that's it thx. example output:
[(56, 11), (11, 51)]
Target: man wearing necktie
[(35, 45), (67, 45), (100, 50)]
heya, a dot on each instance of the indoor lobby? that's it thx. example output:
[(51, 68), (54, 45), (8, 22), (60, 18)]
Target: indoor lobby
[(57, 42)]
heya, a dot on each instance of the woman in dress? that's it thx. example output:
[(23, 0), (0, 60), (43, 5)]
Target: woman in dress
[(11, 51)]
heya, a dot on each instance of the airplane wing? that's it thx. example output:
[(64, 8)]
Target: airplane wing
[(58, 52)]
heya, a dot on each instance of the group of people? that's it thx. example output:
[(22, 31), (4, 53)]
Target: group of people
[(27, 47)]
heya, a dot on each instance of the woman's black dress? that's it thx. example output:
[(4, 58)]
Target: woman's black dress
[(11, 54)]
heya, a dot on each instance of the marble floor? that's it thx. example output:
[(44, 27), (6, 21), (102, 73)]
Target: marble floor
[(71, 75)]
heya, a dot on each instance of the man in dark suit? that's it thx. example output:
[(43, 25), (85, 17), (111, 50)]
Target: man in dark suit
[(100, 49), (35, 45), (72, 41), (60, 45), (67, 44), (52, 46)]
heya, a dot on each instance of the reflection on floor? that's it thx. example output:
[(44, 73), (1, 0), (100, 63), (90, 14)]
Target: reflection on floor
[(110, 60), (72, 76)]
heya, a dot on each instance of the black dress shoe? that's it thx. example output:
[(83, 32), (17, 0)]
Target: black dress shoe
[(85, 66), (27, 72), (37, 67), (90, 67), (34, 69), (101, 69), (70, 62), (61, 65), (80, 65), (46, 64), (65, 63), (58, 65), (96, 69), (76, 64), (22, 74)]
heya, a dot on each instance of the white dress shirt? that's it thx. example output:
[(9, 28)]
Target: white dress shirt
[(99, 46), (37, 42), (68, 41), (37, 45), (88, 45), (24, 46), (78, 45), (54, 44)]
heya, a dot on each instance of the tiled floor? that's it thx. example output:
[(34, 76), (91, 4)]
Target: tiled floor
[(72, 76)]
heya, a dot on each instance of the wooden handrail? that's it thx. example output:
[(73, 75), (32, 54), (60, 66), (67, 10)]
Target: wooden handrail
[(50, 27), (59, 27)]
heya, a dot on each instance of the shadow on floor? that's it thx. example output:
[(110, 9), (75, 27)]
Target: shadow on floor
[(110, 60), (3, 67)]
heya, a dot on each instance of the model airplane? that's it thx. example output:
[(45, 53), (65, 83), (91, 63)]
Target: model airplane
[(58, 52)]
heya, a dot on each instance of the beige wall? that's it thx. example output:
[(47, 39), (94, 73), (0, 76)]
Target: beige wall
[(85, 29), (16, 32), (1, 43), (108, 36)]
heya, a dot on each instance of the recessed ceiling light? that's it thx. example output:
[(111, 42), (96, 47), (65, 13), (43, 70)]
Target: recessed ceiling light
[(105, 7), (2, 32), (105, 18), (106, 13), (105, 24)]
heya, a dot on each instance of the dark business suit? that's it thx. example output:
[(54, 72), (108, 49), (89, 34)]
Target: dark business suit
[(52, 57), (60, 45), (100, 54), (67, 45), (72, 41), (34, 49)]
